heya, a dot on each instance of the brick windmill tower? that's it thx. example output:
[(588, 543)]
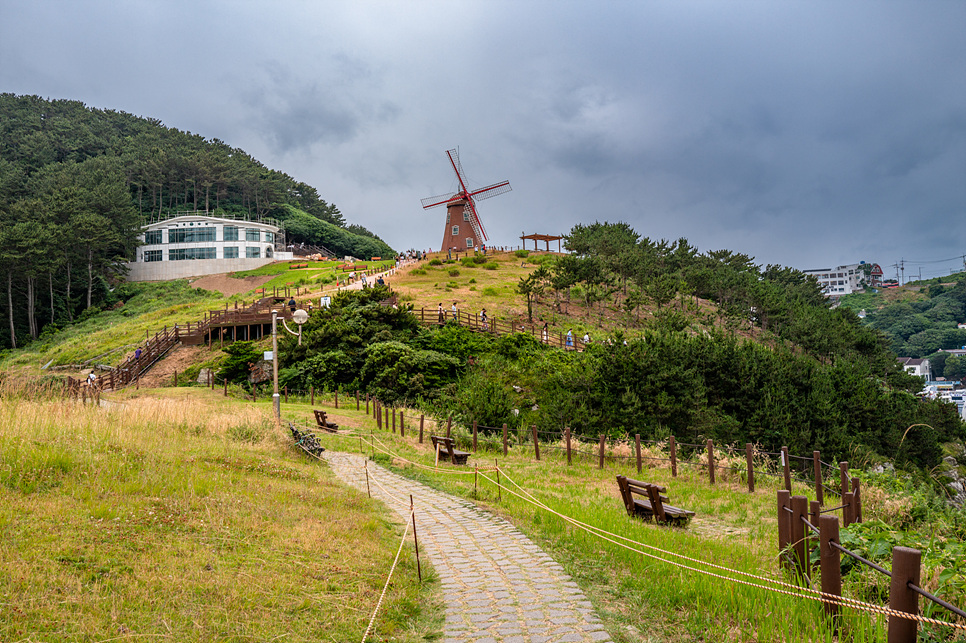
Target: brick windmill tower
[(463, 226)]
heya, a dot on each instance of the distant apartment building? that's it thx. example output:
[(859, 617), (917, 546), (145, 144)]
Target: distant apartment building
[(192, 244), (843, 280)]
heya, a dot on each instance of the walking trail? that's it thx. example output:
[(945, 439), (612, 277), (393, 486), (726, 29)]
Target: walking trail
[(497, 585)]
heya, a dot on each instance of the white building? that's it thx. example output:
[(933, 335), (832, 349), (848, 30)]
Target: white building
[(916, 366), (844, 280), (194, 244)]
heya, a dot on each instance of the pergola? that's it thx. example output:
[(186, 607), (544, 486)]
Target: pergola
[(541, 237)]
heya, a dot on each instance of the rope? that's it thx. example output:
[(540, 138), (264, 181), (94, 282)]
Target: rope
[(809, 593), (388, 578)]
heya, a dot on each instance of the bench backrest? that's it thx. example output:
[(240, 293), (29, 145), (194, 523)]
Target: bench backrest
[(320, 417), (446, 442), (650, 491)]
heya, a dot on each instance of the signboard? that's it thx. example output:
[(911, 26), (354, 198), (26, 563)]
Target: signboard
[(267, 356)]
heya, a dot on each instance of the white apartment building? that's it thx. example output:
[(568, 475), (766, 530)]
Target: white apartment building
[(843, 280), (195, 244)]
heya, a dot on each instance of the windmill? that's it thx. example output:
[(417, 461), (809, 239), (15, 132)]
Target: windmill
[(463, 226)]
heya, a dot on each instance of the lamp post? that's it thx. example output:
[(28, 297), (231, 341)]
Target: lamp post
[(299, 317)]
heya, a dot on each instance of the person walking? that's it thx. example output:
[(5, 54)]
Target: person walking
[(545, 334), (365, 282), (292, 304), (456, 313), (570, 340), (483, 320), (442, 316)]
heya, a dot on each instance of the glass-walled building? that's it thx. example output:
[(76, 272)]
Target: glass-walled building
[(195, 244)]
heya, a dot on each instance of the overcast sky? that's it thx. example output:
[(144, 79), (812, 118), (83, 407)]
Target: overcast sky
[(809, 134)]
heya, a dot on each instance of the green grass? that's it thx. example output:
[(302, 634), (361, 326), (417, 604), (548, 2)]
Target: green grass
[(640, 598), (188, 517)]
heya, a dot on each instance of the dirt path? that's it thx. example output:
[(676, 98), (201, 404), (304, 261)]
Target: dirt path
[(228, 285), (179, 358)]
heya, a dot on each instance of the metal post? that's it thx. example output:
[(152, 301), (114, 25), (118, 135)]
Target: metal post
[(829, 559), (905, 571), (819, 491), (276, 401), (751, 468)]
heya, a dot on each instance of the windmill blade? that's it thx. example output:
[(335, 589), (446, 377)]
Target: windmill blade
[(434, 201), (491, 190), (454, 159), (475, 220)]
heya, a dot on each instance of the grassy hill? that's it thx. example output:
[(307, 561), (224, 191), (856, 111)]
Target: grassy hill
[(184, 484)]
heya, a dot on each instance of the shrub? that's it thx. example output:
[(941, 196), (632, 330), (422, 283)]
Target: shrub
[(454, 273), (491, 291), (469, 262), (490, 266), (522, 254), (472, 281), (435, 262)]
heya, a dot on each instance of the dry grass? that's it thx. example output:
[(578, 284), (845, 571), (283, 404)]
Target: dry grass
[(188, 518)]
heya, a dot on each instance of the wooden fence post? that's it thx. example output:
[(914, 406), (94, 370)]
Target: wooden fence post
[(357, 399), (637, 449), (674, 457), (844, 477), (378, 412), (819, 491), (367, 404), (567, 433), (787, 468), (386, 409), (829, 559), (848, 507), (504, 440), (336, 398), (402, 425), (422, 419), (286, 394), (312, 396), (711, 461), (175, 379), (226, 386), (603, 439), (799, 543), (474, 436), (536, 445), (751, 468), (784, 504), (905, 571), (393, 419), (857, 500)]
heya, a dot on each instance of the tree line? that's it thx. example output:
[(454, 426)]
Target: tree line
[(77, 183)]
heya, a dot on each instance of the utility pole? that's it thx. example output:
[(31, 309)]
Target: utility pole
[(902, 266)]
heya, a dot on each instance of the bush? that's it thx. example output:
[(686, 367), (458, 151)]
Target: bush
[(454, 273), (522, 254), (490, 266), (435, 262), (490, 291)]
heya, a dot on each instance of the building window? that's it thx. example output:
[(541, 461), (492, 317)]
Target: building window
[(466, 215), (153, 255), (270, 237), (201, 235), (231, 252), (456, 230), (178, 254), (253, 253), (231, 233), (251, 234), (469, 242), (152, 237)]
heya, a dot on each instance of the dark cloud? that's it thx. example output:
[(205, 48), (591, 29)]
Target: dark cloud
[(801, 133)]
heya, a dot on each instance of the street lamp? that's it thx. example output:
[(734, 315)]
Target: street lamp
[(299, 317)]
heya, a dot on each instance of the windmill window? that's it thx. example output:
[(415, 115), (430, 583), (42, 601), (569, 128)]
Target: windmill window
[(469, 242), (456, 230), (466, 215)]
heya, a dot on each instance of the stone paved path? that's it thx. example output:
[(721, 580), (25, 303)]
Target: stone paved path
[(497, 585)]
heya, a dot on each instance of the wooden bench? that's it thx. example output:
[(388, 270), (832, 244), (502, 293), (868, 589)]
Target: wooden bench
[(447, 446), (322, 420), (306, 441), (652, 503)]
